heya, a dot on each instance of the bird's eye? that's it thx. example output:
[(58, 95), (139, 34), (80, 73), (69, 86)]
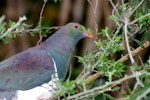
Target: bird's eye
[(76, 27)]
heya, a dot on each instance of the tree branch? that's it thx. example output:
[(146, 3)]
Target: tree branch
[(98, 90), (135, 52)]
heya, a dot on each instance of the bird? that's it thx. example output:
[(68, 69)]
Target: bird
[(37, 65)]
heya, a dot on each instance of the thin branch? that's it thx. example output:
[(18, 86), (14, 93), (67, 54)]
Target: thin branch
[(96, 5), (70, 72), (136, 20), (135, 8), (138, 83), (99, 89), (13, 27), (135, 52), (40, 22), (122, 2), (141, 62), (93, 77), (126, 40), (144, 94), (94, 8), (54, 27), (115, 9), (92, 5), (96, 25)]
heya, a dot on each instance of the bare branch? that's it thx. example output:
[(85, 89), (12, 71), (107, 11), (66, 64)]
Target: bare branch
[(127, 41), (122, 1), (94, 8), (40, 22), (135, 52), (115, 9)]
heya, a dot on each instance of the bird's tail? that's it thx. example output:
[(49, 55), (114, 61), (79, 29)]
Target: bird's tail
[(8, 95)]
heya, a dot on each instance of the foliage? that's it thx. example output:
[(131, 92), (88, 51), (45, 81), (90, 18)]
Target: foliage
[(13, 28), (67, 87), (104, 71), (129, 19), (56, 1), (143, 92)]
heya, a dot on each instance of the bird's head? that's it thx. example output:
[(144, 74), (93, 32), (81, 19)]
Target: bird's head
[(76, 31)]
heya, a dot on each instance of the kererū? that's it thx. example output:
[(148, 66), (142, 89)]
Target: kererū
[(35, 66)]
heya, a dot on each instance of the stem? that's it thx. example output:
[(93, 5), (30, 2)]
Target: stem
[(100, 89), (135, 8), (136, 20), (127, 41), (140, 97), (13, 27), (94, 8), (115, 9), (135, 52), (40, 22)]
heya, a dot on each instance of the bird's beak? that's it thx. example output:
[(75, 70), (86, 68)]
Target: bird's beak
[(88, 35)]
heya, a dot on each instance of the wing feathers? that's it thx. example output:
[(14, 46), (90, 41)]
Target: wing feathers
[(26, 70)]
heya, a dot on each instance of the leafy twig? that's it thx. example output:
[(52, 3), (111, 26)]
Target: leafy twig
[(13, 27), (115, 9), (122, 59), (99, 89), (126, 40)]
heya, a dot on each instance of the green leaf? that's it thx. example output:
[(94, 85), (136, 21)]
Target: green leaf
[(5, 40), (2, 18), (146, 36), (116, 88), (65, 88), (108, 96), (138, 42)]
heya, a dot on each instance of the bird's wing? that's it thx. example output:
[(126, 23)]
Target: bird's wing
[(26, 70)]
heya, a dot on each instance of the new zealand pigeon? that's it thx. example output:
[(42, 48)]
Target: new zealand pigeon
[(35, 66)]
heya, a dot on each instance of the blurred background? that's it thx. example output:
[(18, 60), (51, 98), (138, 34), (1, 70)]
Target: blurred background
[(55, 14)]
